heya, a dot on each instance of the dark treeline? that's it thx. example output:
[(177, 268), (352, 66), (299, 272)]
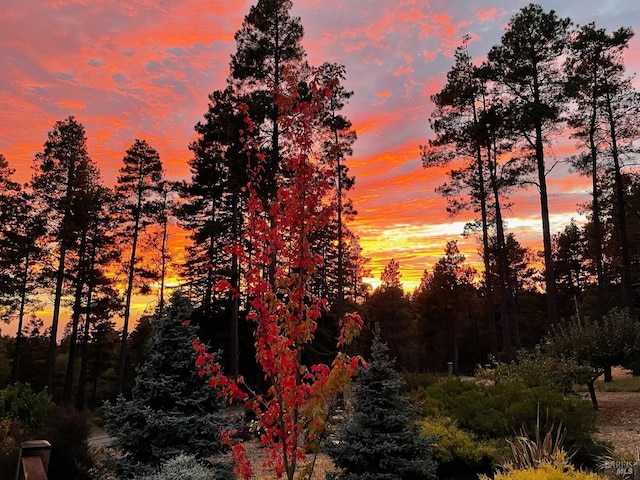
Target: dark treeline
[(68, 239), (495, 124)]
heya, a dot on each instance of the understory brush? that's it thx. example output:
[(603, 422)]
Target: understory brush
[(28, 415)]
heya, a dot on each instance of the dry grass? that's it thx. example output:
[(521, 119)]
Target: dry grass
[(323, 463), (527, 452), (623, 381)]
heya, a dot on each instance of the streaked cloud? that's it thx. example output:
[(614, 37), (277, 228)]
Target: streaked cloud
[(143, 69)]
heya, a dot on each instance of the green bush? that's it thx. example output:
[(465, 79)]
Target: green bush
[(536, 369), (22, 413), (25, 415), (19, 402), (459, 452), (498, 411)]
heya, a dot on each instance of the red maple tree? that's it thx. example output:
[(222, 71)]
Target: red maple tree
[(293, 412)]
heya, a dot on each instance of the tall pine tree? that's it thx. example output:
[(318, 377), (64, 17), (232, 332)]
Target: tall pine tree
[(63, 172), (527, 64), (139, 180)]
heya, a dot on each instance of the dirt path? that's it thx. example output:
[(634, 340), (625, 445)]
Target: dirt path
[(619, 420)]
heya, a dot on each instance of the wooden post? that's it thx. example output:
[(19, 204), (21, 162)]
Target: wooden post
[(33, 461)]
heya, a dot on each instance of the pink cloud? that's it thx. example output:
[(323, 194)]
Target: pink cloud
[(403, 70), (486, 15)]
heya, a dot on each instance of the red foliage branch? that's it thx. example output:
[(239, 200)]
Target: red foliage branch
[(293, 411)]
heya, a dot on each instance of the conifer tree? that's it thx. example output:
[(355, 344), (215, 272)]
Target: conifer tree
[(213, 208), (22, 228), (92, 200), (172, 410), (455, 120), (337, 146), (63, 172), (527, 63), (138, 181), (606, 122), (269, 42), (101, 300), (381, 442)]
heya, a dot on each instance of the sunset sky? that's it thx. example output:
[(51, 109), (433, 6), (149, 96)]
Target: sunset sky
[(143, 69)]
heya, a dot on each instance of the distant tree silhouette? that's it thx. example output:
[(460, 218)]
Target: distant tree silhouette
[(22, 231), (63, 172), (527, 63), (136, 188), (448, 300)]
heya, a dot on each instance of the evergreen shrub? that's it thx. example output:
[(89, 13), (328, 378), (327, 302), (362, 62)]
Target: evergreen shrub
[(460, 452), (172, 409), (498, 411), (382, 441), (187, 467)]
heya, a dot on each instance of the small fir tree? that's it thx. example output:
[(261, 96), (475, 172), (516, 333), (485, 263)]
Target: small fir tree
[(382, 441), (172, 410)]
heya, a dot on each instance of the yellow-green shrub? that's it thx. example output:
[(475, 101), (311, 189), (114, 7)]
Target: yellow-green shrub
[(459, 451), (556, 469)]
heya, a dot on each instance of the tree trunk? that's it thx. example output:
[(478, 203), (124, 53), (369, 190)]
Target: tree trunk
[(340, 299), (67, 393), (84, 352), (621, 208), (15, 369), (592, 394), (549, 271), (53, 341), (122, 361), (163, 253), (507, 304), (488, 279), (597, 228)]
